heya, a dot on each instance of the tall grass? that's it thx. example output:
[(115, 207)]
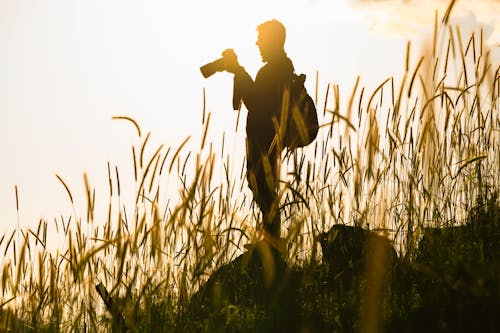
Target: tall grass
[(418, 151)]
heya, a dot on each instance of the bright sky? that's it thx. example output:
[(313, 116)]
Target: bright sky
[(68, 66)]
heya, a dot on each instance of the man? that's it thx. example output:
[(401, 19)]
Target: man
[(263, 99)]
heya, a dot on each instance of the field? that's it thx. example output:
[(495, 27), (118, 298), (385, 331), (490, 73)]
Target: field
[(415, 163)]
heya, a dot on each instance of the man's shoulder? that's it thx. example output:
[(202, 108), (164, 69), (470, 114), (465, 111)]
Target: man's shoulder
[(281, 68), (282, 64)]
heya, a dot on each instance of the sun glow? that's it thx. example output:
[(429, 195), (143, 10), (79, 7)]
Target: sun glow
[(68, 67), (82, 63)]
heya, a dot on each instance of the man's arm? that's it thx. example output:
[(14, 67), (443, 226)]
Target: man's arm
[(243, 89), (244, 85)]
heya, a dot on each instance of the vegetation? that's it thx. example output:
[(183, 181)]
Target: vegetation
[(415, 161)]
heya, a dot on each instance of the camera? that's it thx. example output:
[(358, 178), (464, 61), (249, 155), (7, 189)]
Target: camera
[(212, 67), (218, 65)]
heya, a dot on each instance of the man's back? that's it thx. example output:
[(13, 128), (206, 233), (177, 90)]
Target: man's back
[(263, 98)]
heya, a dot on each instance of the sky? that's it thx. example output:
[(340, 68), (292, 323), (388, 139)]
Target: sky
[(67, 67)]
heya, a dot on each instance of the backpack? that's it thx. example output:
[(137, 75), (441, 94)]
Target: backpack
[(299, 115)]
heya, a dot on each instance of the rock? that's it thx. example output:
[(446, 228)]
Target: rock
[(468, 242), (353, 249), (257, 281)]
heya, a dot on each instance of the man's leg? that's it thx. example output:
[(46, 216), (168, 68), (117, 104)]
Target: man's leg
[(262, 180)]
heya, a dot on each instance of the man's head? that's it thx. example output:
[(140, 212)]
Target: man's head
[(271, 39)]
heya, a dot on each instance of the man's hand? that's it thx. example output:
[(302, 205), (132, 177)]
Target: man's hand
[(231, 61)]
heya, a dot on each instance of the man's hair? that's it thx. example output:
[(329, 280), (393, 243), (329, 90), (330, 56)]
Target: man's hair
[(273, 29)]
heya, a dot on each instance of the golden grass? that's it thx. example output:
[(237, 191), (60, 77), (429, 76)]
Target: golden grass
[(408, 159)]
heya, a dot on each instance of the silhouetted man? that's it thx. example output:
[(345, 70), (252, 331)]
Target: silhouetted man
[(263, 99)]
